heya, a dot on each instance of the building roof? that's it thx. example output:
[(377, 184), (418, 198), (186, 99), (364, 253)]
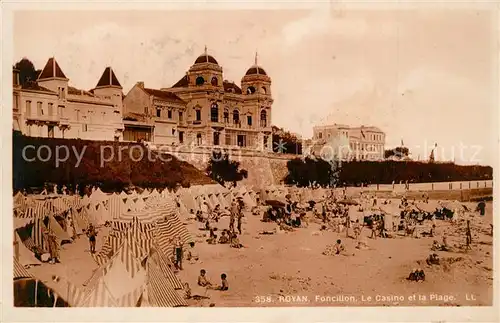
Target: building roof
[(75, 91), (256, 70), (205, 58), (33, 86), (108, 78), (51, 70), (183, 82), (164, 95), (231, 87)]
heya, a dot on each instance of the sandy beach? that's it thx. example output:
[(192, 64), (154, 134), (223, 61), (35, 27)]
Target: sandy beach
[(289, 269)]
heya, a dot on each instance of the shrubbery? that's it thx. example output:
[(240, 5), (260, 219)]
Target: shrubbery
[(221, 169), (115, 174), (304, 171)]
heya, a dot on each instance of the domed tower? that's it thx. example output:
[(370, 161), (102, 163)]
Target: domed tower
[(256, 88), (205, 71), (256, 81)]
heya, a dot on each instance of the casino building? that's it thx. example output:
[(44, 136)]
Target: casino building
[(203, 109)]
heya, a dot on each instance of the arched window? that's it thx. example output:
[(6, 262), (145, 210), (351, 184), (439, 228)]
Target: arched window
[(263, 118), (236, 116), (214, 112), (215, 81), (198, 139), (264, 90), (250, 90), (200, 80), (226, 115)]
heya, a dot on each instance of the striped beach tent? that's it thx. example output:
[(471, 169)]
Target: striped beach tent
[(99, 296), (115, 206), (22, 254), (129, 205), (160, 293), (169, 229), (139, 204), (19, 271)]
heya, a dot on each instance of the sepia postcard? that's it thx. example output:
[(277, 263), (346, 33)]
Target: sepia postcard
[(282, 161)]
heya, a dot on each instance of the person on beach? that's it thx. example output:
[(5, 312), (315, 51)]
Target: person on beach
[(234, 241), (223, 284), (224, 239), (92, 234), (192, 256), (233, 215), (339, 247), (468, 236), (357, 229), (53, 247), (203, 280), (240, 216), (178, 252)]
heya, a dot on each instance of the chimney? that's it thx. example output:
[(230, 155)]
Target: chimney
[(140, 84)]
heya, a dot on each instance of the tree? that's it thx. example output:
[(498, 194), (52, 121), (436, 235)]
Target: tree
[(27, 71), (399, 152), (284, 142), (221, 169), (307, 171)]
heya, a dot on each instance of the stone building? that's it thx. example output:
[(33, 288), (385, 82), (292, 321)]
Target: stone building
[(203, 109), (360, 143), (50, 107)]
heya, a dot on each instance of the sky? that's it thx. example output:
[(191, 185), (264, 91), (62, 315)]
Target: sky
[(422, 76)]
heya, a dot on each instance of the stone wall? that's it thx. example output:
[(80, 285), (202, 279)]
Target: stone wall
[(263, 168)]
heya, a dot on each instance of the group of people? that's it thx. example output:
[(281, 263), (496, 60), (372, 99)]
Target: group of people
[(229, 236)]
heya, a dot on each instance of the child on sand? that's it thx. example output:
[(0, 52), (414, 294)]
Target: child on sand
[(224, 284), (202, 279), (224, 238)]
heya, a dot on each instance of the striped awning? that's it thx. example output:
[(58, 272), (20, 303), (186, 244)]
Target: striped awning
[(20, 271)]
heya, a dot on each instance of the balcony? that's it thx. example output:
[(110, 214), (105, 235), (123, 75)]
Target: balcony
[(43, 118)]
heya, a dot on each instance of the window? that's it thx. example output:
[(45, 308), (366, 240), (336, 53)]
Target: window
[(173, 132), (249, 120), (228, 139), (226, 116), (84, 127), (146, 110), (198, 139), (50, 131), (216, 138), (214, 112), (329, 135), (250, 90), (198, 115), (181, 116), (51, 109), (215, 81), (263, 119), (241, 142), (264, 90), (200, 80), (28, 108), (181, 136), (158, 112), (169, 114), (320, 135), (39, 109), (266, 139), (236, 116)]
